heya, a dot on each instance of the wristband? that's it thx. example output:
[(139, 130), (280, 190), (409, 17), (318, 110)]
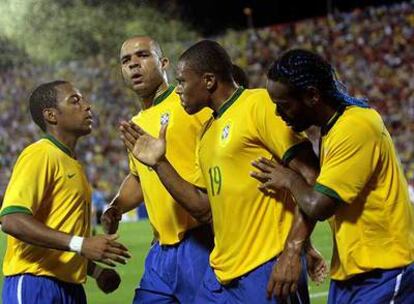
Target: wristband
[(96, 272), (75, 244)]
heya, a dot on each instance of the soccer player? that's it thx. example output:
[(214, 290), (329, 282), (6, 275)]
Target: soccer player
[(47, 209), (176, 263), (251, 229), (361, 186)]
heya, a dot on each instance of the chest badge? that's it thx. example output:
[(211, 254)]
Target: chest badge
[(165, 118), (225, 133)]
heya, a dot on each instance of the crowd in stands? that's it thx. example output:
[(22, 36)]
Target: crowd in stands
[(371, 49)]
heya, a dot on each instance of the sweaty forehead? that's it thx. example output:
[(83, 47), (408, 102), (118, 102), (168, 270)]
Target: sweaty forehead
[(65, 90), (137, 44)]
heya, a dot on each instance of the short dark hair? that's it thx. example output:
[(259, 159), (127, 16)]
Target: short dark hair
[(240, 77), (43, 97), (208, 56)]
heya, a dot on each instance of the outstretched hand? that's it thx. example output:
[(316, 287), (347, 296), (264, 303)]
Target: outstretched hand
[(144, 147), (316, 265)]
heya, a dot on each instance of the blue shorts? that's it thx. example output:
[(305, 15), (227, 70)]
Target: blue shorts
[(249, 288), (394, 286), (174, 273), (28, 288)]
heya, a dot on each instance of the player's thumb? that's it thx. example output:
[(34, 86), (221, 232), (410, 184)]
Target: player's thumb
[(163, 131), (112, 237)]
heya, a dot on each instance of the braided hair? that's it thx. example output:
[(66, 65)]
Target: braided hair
[(301, 69)]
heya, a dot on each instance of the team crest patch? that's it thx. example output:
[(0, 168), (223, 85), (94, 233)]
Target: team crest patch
[(225, 133), (165, 118)]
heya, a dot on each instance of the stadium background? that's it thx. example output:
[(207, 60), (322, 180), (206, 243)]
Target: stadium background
[(371, 46)]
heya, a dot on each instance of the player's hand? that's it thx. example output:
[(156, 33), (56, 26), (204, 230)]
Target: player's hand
[(316, 265), (147, 149), (108, 281), (285, 275), (105, 249), (110, 219), (271, 174)]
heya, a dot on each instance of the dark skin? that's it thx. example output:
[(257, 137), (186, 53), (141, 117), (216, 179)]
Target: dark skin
[(196, 92), (144, 71), (71, 119), (301, 110)]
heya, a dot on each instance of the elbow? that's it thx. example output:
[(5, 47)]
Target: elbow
[(203, 216), (7, 225), (315, 212)]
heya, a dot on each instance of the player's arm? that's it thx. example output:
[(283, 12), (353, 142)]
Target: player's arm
[(28, 229), (129, 197), (315, 205), (151, 151)]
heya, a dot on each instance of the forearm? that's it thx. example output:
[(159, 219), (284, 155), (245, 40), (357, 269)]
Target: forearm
[(299, 235), (186, 194), (29, 230), (305, 197), (130, 194)]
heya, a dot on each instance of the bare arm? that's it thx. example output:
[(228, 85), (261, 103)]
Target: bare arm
[(130, 194), (191, 198), (151, 152), (29, 230)]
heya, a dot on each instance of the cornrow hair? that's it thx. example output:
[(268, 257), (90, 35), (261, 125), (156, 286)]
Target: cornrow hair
[(301, 69), (43, 97)]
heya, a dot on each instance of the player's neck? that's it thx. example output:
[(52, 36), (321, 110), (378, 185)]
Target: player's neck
[(148, 101), (69, 140), (221, 95), (325, 115)]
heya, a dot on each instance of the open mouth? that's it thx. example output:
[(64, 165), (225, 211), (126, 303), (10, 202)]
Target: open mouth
[(136, 78)]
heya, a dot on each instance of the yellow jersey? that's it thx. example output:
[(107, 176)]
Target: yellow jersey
[(250, 228), (48, 183), (374, 227), (168, 219)]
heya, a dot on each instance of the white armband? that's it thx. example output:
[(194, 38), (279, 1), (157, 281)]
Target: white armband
[(75, 244)]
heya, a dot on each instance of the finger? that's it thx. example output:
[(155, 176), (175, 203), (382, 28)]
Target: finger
[(268, 163), (293, 288), (112, 237), (270, 287), (120, 252), (128, 144), (163, 131), (132, 138), (262, 167), (260, 176), (107, 262), (115, 258), (137, 129), (119, 245), (277, 290)]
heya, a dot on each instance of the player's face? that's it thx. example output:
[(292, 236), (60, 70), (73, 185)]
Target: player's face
[(191, 88), (142, 67), (290, 107), (73, 112)]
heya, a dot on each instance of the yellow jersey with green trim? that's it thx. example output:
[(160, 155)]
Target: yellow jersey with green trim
[(250, 228), (374, 226), (168, 219), (52, 186)]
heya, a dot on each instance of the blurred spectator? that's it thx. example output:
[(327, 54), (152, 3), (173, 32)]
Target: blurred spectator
[(372, 49)]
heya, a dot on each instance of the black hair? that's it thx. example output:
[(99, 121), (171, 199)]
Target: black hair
[(240, 76), (43, 97), (209, 56), (301, 69)]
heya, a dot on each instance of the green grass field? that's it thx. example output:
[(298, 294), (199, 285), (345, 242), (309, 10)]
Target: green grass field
[(137, 236)]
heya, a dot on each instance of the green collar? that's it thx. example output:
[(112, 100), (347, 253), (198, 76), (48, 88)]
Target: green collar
[(228, 102), (325, 129), (59, 145), (164, 95)]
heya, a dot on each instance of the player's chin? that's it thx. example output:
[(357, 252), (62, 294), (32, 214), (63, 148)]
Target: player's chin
[(85, 131)]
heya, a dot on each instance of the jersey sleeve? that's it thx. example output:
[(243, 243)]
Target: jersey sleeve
[(350, 155), (29, 184), (273, 132), (131, 164)]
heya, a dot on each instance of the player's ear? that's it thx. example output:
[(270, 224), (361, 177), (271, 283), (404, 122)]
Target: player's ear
[(49, 115), (165, 62), (209, 80)]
